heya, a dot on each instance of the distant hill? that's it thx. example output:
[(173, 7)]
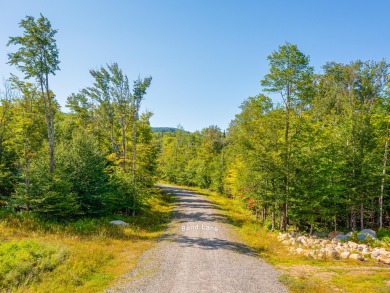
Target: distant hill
[(164, 129)]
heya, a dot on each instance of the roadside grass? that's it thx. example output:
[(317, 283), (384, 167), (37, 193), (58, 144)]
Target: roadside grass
[(299, 273), (87, 255)]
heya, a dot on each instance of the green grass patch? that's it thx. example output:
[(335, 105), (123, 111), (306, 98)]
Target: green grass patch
[(25, 262)]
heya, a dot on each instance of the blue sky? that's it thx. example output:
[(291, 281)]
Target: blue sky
[(205, 56)]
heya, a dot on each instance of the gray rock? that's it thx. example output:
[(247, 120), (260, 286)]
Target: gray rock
[(342, 237), (119, 223), (375, 254), (370, 232), (362, 235)]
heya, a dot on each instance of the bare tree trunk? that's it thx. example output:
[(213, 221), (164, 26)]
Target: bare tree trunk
[(273, 217), (353, 219), (361, 214), (222, 165), (135, 153), (48, 124), (383, 178), (124, 144), (51, 119), (283, 225)]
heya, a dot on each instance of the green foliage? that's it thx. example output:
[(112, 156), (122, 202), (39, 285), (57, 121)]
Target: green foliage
[(85, 165), (46, 193), (38, 53), (383, 233)]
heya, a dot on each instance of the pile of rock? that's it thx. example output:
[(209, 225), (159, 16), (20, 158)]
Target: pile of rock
[(336, 248)]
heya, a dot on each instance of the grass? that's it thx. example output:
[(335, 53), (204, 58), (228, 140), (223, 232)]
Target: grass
[(88, 255), (298, 273)]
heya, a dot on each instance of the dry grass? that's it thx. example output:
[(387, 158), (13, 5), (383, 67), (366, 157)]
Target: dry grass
[(96, 253)]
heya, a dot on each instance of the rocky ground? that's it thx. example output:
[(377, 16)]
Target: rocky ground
[(334, 246)]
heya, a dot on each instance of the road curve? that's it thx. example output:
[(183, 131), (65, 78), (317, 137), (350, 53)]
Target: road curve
[(199, 253)]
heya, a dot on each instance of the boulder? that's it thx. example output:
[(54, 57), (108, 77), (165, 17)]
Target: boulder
[(356, 256), (285, 242), (331, 252), (375, 254), (385, 258), (361, 247), (370, 232), (119, 223), (362, 235), (352, 244), (349, 234), (342, 237), (345, 254)]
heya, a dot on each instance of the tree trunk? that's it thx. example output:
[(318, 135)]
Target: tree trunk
[(124, 144), (273, 217), (353, 219), (283, 225), (48, 124), (383, 178), (361, 214)]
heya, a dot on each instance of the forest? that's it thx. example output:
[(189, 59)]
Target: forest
[(315, 161)]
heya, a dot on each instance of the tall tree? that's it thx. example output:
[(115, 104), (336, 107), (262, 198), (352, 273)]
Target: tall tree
[(122, 98), (37, 57), (289, 75), (139, 90)]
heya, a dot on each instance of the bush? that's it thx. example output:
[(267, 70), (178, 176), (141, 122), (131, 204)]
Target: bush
[(383, 232)]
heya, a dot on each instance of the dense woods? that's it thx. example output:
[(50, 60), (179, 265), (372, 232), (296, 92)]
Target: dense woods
[(317, 160), (96, 159)]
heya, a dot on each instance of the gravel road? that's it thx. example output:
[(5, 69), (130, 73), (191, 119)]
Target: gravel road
[(199, 253)]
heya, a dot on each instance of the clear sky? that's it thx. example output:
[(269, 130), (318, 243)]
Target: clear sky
[(205, 56)]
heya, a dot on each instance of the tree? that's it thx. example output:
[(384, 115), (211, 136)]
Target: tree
[(37, 57), (122, 98), (139, 90), (290, 75)]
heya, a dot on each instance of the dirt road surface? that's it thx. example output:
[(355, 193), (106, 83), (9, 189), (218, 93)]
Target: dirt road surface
[(199, 253)]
